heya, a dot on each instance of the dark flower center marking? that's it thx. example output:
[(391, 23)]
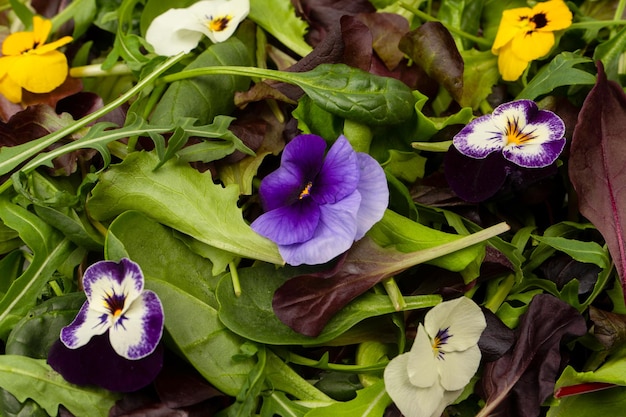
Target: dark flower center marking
[(539, 20), (441, 339), (306, 191), (515, 133), (114, 303), (219, 23)]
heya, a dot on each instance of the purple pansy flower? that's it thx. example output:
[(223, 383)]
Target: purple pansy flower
[(317, 205), (117, 302), (525, 135)]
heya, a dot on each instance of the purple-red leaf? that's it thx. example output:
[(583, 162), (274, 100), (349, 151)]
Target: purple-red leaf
[(520, 381), (596, 165)]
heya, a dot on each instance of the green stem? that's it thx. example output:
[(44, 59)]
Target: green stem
[(234, 277), (432, 146), (95, 70), (291, 357), (50, 139), (595, 24), (619, 11), (65, 15), (231, 70), (459, 32), (394, 293)]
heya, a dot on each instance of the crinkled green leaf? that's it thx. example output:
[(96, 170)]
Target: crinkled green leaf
[(178, 196), (609, 53), (33, 378)]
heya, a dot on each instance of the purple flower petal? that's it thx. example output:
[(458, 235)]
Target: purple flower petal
[(98, 364), (301, 161), (479, 138), (339, 175), (333, 236), (136, 334), (88, 323), (534, 155), (374, 194), (290, 224)]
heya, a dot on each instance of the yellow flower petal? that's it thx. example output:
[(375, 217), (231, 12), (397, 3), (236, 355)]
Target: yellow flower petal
[(533, 45), (41, 29), (9, 88), (40, 73), (18, 43), (510, 65), (44, 49), (558, 15), (510, 27)]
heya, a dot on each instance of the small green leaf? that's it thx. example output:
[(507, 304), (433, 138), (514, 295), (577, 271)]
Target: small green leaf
[(369, 402), (279, 19), (559, 72), (33, 378)]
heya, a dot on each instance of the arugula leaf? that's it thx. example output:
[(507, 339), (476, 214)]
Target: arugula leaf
[(559, 72)]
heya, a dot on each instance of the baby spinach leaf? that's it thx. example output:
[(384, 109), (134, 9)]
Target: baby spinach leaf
[(205, 97), (209, 347), (33, 378), (177, 196), (610, 402), (597, 159)]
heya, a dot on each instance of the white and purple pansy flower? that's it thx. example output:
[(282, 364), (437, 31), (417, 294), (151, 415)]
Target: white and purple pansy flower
[(117, 303), (526, 136), (180, 30), (316, 203), (442, 361)]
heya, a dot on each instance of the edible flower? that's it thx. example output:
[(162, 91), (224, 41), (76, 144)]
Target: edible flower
[(317, 205), (29, 63), (442, 361), (525, 135), (526, 34), (180, 30), (117, 303)]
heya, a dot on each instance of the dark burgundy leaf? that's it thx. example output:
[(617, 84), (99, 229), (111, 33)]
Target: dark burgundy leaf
[(387, 30), (520, 381), (596, 165), (96, 363), (432, 47), (322, 15), (609, 328), (474, 180), (561, 269), (69, 87), (496, 339)]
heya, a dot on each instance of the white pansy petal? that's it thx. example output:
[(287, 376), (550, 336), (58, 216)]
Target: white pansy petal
[(88, 323), (220, 17), (462, 317), (534, 155), (479, 138), (457, 368), (175, 31), (411, 400), (422, 368), (137, 332)]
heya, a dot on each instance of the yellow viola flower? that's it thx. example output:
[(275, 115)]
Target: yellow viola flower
[(29, 63), (526, 34)]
